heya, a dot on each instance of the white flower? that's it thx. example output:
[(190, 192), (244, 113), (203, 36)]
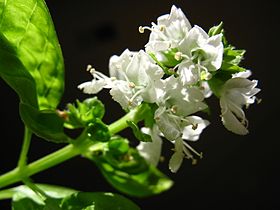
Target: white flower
[(151, 151), (182, 149), (169, 31), (134, 78), (236, 93), (98, 82), (141, 74), (202, 49), (196, 125), (173, 120), (182, 101), (201, 54)]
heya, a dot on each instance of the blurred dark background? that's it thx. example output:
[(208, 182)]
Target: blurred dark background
[(237, 172)]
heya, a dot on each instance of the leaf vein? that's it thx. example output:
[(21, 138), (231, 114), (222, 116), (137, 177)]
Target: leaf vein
[(28, 23), (2, 15)]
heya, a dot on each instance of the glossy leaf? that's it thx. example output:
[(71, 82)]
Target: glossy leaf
[(45, 124), (97, 201), (118, 146), (32, 64), (98, 131), (26, 199), (28, 28), (26, 204), (131, 174), (15, 74)]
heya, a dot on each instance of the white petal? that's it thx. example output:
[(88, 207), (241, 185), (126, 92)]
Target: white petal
[(155, 46), (242, 74), (193, 131), (122, 93), (168, 126), (232, 123), (176, 14), (118, 64), (176, 160), (151, 151), (206, 90), (188, 73), (93, 86)]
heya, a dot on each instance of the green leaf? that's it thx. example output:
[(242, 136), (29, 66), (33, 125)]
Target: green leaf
[(26, 199), (81, 114), (15, 74), (28, 28), (97, 201), (138, 133), (232, 56), (215, 30), (131, 174), (45, 124), (26, 204), (98, 131), (32, 64), (149, 119), (118, 146), (218, 80)]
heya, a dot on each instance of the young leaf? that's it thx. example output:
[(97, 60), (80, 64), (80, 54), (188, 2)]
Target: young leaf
[(81, 114), (97, 201), (31, 33), (215, 30), (233, 56), (138, 133), (118, 146), (98, 131)]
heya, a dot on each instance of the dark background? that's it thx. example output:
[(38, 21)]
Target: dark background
[(237, 172)]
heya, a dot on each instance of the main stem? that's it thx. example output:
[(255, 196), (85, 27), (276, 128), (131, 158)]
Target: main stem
[(66, 152)]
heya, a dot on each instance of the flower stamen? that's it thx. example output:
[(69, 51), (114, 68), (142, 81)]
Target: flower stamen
[(130, 101), (193, 150)]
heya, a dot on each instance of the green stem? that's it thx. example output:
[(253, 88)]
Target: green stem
[(25, 147), (6, 194), (68, 151), (121, 123), (42, 164)]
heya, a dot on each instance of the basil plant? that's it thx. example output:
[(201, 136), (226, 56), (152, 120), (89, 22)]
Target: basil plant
[(162, 89)]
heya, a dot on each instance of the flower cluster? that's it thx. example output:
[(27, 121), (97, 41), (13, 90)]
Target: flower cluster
[(180, 67)]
